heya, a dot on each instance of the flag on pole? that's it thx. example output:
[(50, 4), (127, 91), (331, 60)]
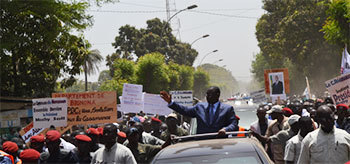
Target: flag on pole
[(306, 93), (345, 62)]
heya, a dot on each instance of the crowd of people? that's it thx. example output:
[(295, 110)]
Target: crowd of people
[(310, 131)]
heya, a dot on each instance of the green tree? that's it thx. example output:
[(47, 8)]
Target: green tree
[(289, 36), (91, 60), (222, 78), (201, 83), (37, 45), (337, 29), (151, 72), (104, 76), (132, 42), (124, 69)]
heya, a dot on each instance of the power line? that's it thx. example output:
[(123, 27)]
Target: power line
[(129, 11), (162, 11), (226, 15)]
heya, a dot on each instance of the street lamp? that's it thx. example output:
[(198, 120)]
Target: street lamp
[(218, 61), (204, 36), (207, 55), (167, 22)]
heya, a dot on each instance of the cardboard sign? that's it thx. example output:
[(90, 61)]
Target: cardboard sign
[(49, 111), (30, 131), (132, 98), (184, 98), (270, 81), (258, 96), (154, 104), (91, 107), (339, 88)]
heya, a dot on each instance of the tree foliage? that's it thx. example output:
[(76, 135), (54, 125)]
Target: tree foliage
[(134, 43), (337, 28), (289, 36), (37, 45), (152, 74), (222, 78), (201, 81)]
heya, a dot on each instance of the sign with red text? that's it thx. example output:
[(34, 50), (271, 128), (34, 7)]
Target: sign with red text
[(91, 107), (29, 131), (49, 112), (339, 88)]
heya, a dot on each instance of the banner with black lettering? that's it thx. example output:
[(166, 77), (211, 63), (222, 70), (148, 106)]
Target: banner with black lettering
[(339, 88), (49, 112)]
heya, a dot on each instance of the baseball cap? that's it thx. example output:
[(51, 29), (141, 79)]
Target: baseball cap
[(276, 109)]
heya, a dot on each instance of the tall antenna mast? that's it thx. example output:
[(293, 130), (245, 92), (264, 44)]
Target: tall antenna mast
[(167, 10)]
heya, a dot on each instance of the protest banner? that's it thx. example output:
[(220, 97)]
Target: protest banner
[(49, 112), (270, 81), (184, 98), (29, 131), (91, 107), (339, 89), (154, 104), (132, 98), (258, 96)]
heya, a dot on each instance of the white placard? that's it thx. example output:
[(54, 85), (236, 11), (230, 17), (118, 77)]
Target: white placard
[(184, 98), (258, 96), (339, 88), (29, 131), (49, 111), (154, 104), (132, 98)]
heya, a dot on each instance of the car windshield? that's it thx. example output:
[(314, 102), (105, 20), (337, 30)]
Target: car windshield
[(218, 158)]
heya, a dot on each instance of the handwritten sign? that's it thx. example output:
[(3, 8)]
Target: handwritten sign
[(49, 111), (184, 98), (30, 131), (258, 96), (339, 88), (132, 100), (90, 107), (154, 104)]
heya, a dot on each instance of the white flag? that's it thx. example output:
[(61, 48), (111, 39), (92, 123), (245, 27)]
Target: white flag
[(306, 93), (345, 62)]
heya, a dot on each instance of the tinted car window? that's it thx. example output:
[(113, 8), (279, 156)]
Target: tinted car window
[(250, 158)]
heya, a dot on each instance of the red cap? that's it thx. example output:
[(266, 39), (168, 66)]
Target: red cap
[(53, 135), (29, 155), (288, 110), (38, 138), (238, 118), (100, 131), (82, 137), (122, 134), (93, 131), (342, 105), (156, 120), (10, 147)]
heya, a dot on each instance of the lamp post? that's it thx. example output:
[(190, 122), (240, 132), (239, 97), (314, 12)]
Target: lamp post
[(218, 61), (167, 22), (207, 55), (204, 36)]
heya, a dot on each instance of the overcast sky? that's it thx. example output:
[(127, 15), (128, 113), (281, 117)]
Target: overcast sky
[(230, 24)]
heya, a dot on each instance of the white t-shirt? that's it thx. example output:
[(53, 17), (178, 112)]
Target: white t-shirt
[(117, 154)]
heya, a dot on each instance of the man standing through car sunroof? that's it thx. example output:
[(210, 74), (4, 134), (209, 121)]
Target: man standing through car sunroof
[(212, 116)]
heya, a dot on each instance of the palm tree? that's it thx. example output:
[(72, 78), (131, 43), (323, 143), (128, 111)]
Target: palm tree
[(91, 59)]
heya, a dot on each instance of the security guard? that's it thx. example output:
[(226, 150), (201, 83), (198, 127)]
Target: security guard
[(173, 129)]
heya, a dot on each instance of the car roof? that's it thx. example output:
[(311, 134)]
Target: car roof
[(209, 147)]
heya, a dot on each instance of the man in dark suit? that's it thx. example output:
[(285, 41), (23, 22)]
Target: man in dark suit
[(212, 116), (277, 86)]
